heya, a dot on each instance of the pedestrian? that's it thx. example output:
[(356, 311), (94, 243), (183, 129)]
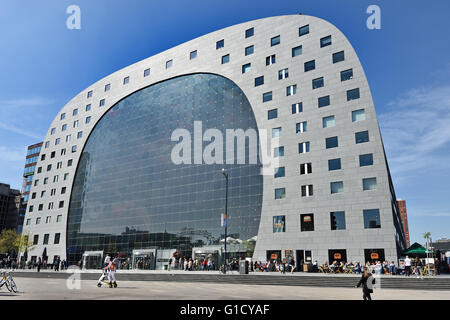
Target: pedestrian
[(365, 287), (170, 263), (407, 266), (392, 268), (419, 267), (39, 264), (111, 267), (292, 265)]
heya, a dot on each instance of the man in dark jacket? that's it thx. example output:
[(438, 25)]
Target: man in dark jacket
[(366, 288)]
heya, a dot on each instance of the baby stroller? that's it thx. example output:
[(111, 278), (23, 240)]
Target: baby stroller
[(104, 279)]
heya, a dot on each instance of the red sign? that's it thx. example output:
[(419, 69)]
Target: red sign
[(374, 255), (337, 256), (273, 256)]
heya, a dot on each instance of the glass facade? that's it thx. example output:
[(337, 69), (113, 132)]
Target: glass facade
[(127, 192)]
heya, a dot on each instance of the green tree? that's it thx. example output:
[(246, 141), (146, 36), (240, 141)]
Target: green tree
[(24, 243), (8, 241)]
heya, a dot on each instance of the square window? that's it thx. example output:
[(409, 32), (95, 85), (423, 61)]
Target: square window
[(146, 72), (334, 164), (361, 137), (280, 193), (296, 51), (249, 50), (323, 101), (328, 122), (358, 115), (169, 64), (325, 41), (283, 74), (278, 152), (353, 94), (126, 80), (249, 32), (246, 67), (331, 142), (259, 81), (193, 55), (310, 65), (303, 30), (303, 147), (279, 172), (270, 60), (372, 219), (337, 220), (338, 56), (220, 44), (347, 75), (279, 224), (275, 41), (317, 83), (365, 160), (267, 96), (337, 187), (369, 184), (297, 107), (272, 114), (307, 222), (291, 90), (225, 58), (305, 168), (301, 127)]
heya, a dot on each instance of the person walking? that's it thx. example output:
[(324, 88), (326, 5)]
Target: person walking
[(419, 267), (39, 263), (365, 287), (407, 266), (292, 265)]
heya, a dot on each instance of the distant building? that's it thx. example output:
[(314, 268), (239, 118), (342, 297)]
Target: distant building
[(442, 246), (404, 218), (10, 200), (28, 174)]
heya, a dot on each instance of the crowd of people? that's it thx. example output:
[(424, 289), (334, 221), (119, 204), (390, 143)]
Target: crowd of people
[(11, 263), (189, 264)]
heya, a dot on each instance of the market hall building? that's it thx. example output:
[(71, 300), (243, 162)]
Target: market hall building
[(106, 180)]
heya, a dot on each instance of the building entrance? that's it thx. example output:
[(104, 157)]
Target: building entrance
[(92, 260)]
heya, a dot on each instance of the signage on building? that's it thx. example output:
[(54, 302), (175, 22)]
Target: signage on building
[(337, 256), (374, 255)]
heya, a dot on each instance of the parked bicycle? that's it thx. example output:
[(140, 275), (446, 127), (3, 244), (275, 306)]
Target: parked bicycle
[(8, 281)]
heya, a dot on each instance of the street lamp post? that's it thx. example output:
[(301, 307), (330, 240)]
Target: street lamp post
[(226, 220)]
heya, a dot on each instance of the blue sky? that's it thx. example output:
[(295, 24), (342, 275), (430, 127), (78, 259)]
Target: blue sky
[(43, 65)]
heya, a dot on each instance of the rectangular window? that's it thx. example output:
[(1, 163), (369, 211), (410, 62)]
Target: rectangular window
[(272, 114), (75, 112), (220, 44), (69, 162), (57, 236), (89, 94), (310, 65), (307, 222), (365, 160), (369, 184), (279, 172), (102, 103), (66, 176), (259, 81), (305, 168), (283, 74), (291, 90), (107, 87), (317, 83), (28, 221), (303, 147), (361, 137), (59, 218), (278, 152), (225, 58), (48, 219), (146, 72), (169, 64), (296, 51), (63, 190), (52, 131), (358, 115), (328, 122), (249, 32), (31, 208), (323, 101), (79, 134), (64, 127), (88, 119), (49, 167), (276, 132), (301, 127), (279, 224), (297, 108), (246, 67), (57, 141), (275, 41), (334, 164), (61, 204), (337, 187), (74, 149), (270, 60), (280, 193), (347, 75), (47, 144), (41, 207), (331, 142), (353, 94), (126, 80), (46, 236), (35, 239), (63, 116), (88, 107), (338, 56), (303, 30), (267, 96), (371, 219), (38, 220), (249, 50), (325, 41), (193, 55), (68, 137), (337, 220)]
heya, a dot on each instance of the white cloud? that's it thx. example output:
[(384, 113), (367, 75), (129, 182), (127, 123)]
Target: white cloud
[(25, 102), (13, 154)]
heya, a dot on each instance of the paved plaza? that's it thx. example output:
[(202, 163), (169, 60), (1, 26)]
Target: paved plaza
[(44, 288)]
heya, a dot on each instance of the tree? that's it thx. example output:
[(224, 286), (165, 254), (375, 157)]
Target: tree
[(24, 243), (8, 240)]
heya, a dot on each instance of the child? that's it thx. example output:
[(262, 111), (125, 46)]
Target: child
[(111, 267)]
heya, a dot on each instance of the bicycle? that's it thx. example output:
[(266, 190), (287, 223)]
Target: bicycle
[(8, 281)]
